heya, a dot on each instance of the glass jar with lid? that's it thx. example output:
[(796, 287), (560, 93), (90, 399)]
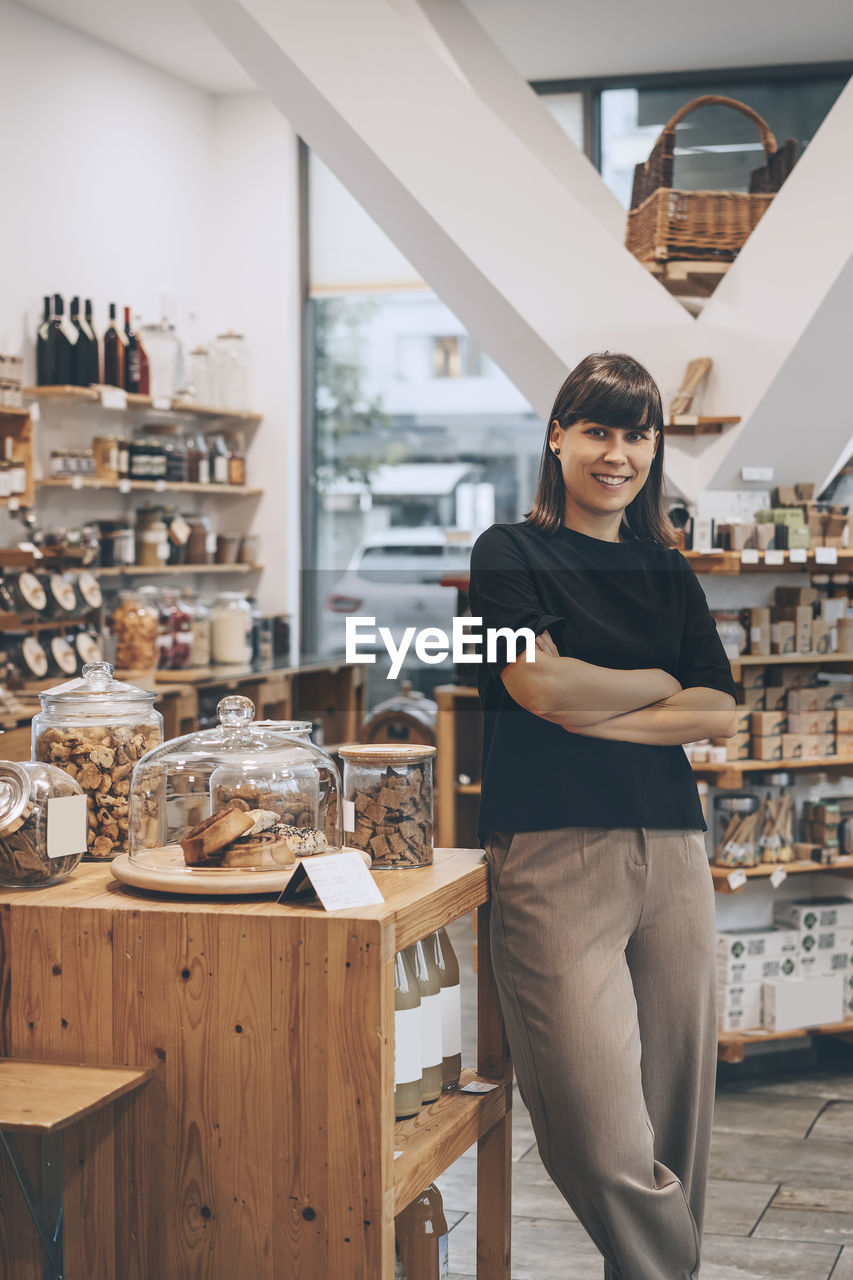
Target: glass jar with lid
[(200, 622), (732, 632), (231, 372), (239, 797), (40, 842), (176, 638), (201, 543), (737, 823), (388, 802), (135, 626), (231, 629), (152, 538), (95, 729)]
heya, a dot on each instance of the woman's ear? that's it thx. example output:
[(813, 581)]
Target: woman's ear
[(657, 442), (555, 434)]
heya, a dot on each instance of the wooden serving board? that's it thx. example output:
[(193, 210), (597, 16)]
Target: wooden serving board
[(164, 871)]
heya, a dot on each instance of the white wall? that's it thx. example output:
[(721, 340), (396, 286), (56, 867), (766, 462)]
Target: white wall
[(124, 183)]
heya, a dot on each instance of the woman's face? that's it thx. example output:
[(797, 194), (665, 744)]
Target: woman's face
[(604, 468)]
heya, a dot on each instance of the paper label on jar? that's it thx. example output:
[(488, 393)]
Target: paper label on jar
[(349, 815), (451, 1021), (67, 826), (210, 544), (431, 1014), (407, 1046), (179, 530), (113, 397)]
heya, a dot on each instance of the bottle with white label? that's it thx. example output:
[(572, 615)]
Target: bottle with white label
[(429, 982), (421, 1230), (407, 1038), (451, 1009)]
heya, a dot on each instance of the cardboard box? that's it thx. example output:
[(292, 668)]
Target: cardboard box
[(826, 941), (826, 744), (821, 636), (785, 495), (800, 746), (757, 969), (764, 536), (769, 748), (743, 718), (795, 596), (804, 491), (759, 631), (764, 724), (737, 748), (775, 698), (753, 677), (811, 722), (742, 1020), (790, 1003), (739, 1007), (782, 637), (844, 719), (823, 811), (795, 676), (820, 962), (778, 939), (844, 744), (812, 915), (844, 632), (754, 698), (811, 698), (834, 609)]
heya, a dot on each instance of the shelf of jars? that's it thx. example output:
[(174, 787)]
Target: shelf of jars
[(818, 559), (764, 870), (145, 570), (115, 399), (150, 486)]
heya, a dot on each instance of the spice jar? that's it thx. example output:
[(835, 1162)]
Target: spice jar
[(135, 626), (96, 729), (152, 538), (200, 650), (227, 547), (231, 629), (176, 637), (40, 842), (201, 543), (388, 802), (198, 461), (105, 449)]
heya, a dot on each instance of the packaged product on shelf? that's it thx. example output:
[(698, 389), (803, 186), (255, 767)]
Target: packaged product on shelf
[(782, 637), (105, 451), (227, 547), (765, 724), (231, 629), (749, 969), (769, 748), (201, 543), (737, 828), (791, 1003), (236, 459), (423, 1238), (28, 658), (175, 639), (200, 655), (819, 722), (759, 631), (61, 657), (135, 625), (821, 636), (152, 538), (388, 802), (755, 699), (814, 915), (451, 1008), (775, 837), (96, 729), (408, 1053), (60, 594), (88, 647), (429, 984), (117, 543), (40, 843), (737, 747), (88, 592), (739, 1006), (778, 939), (24, 593), (744, 718), (198, 461)]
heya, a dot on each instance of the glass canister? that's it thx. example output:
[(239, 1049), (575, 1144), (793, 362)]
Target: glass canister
[(737, 829), (200, 622), (388, 802), (201, 543), (95, 729), (240, 797), (135, 625), (152, 538), (40, 842), (176, 638), (231, 629), (732, 633), (231, 365)]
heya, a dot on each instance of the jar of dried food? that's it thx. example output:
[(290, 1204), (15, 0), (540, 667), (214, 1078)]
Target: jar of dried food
[(135, 625), (231, 629), (200, 655), (41, 841), (175, 639), (152, 538), (105, 449), (388, 802), (201, 544), (95, 729), (737, 822)]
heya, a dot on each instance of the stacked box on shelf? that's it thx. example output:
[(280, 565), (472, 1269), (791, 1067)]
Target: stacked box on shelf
[(824, 928), (746, 958)]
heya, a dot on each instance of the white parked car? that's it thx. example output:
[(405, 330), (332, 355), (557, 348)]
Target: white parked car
[(396, 576)]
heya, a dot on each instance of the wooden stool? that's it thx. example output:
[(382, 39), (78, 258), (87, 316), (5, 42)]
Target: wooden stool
[(42, 1099)]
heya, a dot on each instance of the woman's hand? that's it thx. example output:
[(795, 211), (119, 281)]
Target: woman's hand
[(545, 644)]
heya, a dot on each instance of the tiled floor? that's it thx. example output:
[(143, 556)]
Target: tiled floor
[(781, 1193)]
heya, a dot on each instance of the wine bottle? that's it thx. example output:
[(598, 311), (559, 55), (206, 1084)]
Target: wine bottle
[(95, 369), (144, 364), (421, 1230), (430, 988), (407, 1038), (114, 341), (61, 340), (451, 1009), (43, 371), (85, 350), (131, 356)]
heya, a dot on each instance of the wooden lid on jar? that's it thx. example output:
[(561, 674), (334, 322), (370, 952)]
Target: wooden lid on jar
[(380, 753)]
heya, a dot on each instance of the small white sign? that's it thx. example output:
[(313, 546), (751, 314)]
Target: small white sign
[(478, 1086), (340, 880), (14, 504), (773, 556), (798, 555), (778, 876), (161, 402), (67, 826), (749, 555), (113, 397), (124, 486), (159, 486), (763, 475), (826, 555), (76, 482), (736, 879), (35, 412), (349, 815)]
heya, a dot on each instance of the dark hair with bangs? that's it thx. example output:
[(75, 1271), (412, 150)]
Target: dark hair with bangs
[(611, 391)]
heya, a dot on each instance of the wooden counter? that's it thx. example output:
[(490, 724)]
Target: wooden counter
[(264, 1146)]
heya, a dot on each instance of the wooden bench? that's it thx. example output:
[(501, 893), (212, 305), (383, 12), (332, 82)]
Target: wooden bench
[(42, 1099)]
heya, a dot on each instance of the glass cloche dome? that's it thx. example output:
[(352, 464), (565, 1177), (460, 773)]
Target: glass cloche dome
[(244, 796)]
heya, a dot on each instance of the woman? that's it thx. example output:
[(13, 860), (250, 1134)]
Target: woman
[(602, 907)]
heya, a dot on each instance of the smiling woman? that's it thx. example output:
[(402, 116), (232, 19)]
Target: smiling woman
[(602, 908)]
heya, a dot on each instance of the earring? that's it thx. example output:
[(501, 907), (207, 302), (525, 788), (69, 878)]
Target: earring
[(557, 451)]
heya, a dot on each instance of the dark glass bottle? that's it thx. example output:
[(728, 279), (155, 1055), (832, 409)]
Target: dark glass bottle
[(114, 341), (131, 356), (95, 370), (85, 350), (43, 371), (61, 342)]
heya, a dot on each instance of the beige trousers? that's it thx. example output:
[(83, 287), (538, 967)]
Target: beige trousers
[(603, 948)]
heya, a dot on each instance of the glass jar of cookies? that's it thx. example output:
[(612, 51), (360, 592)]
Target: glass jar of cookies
[(135, 624), (241, 797), (388, 803), (41, 841), (95, 729)]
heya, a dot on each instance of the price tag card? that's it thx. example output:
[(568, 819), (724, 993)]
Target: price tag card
[(14, 504), (113, 397), (778, 876), (161, 402), (798, 555), (478, 1086), (76, 482), (772, 556), (159, 486), (35, 412), (67, 826), (340, 880), (826, 555), (749, 555), (124, 486), (736, 879), (31, 547), (179, 531)]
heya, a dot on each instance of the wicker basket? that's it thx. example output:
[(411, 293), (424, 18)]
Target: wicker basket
[(666, 224)]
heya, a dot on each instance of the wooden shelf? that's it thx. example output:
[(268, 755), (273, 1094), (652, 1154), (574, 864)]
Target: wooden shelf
[(12, 622), (150, 486), (730, 1044), (13, 411), (440, 1133), (720, 875), (693, 424), (688, 279), (144, 570), (787, 659), (729, 562), (87, 395), (468, 788)]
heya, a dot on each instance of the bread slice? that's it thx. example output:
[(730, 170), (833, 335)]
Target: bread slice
[(208, 838), (266, 849)]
